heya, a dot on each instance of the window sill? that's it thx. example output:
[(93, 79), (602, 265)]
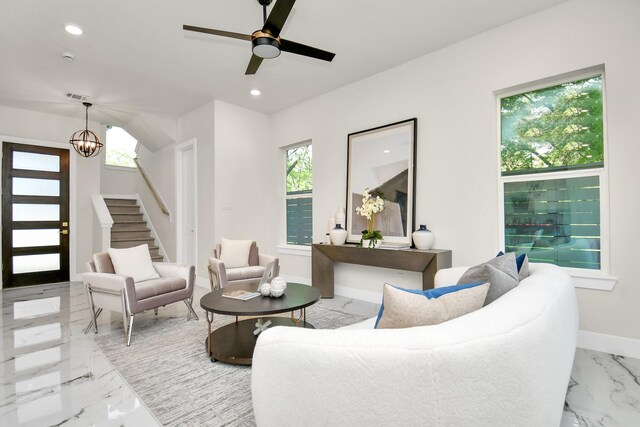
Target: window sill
[(294, 250), (593, 280), (121, 168)]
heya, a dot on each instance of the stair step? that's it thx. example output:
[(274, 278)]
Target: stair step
[(124, 209), (126, 217), (120, 202), (128, 243), (128, 225), (130, 234)]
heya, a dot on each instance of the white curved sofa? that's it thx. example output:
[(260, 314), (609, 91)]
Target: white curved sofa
[(507, 364)]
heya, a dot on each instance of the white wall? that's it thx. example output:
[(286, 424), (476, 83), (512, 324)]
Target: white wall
[(245, 164), (117, 181), (451, 92), (24, 126), (199, 124)]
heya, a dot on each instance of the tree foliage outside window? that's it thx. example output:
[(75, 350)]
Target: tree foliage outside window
[(120, 148), (299, 169), (551, 129), (299, 199)]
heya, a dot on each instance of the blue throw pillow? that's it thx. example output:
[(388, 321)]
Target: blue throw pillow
[(519, 260), (430, 293)]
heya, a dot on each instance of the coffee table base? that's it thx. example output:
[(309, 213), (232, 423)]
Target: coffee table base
[(234, 343)]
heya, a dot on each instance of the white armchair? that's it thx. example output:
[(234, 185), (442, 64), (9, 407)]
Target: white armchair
[(260, 268), (107, 290)]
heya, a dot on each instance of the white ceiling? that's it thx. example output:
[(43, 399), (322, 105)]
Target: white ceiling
[(134, 57)]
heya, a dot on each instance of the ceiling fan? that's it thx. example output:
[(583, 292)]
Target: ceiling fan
[(266, 42)]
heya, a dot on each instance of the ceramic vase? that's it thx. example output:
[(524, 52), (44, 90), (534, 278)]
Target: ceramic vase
[(340, 217), (338, 235), (423, 238)]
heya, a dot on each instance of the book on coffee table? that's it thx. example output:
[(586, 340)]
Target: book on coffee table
[(241, 295)]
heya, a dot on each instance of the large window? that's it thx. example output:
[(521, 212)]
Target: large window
[(120, 148), (299, 187), (553, 172)]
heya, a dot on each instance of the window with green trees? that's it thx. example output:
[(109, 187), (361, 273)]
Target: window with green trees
[(299, 189), (552, 170), (120, 148)]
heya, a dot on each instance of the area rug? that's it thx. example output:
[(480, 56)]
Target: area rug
[(168, 368)]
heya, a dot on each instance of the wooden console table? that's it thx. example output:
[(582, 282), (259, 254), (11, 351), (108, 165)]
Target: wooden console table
[(324, 256)]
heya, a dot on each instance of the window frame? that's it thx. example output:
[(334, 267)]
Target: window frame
[(584, 278), (287, 248)]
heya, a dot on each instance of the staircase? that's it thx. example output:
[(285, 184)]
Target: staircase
[(129, 227)]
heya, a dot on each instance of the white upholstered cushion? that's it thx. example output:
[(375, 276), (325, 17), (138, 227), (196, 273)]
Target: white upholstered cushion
[(235, 253), (243, 273), (404, 309), (134, 262)]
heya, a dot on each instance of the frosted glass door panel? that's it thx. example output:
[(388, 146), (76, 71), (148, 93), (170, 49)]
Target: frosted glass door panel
[(35, 212), (38, 237), (33, 263), (36, 187), (36, 162)]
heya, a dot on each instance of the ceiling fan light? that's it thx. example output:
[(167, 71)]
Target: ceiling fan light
[(266, 47)]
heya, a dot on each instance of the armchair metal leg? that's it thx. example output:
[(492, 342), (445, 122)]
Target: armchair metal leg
[(125, 319), (130, 329), (191, 311), (92, 308), (94, 321)]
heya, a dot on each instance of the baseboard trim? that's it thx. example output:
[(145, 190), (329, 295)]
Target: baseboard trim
[(359, 294), (613, 344), (202, 282), (296, 279), (344, 291)]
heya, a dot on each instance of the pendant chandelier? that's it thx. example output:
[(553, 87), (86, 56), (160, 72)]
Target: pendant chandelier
[(85, 142)]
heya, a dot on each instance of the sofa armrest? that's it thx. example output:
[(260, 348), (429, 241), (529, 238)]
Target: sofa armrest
[(183, 271), (264, 260), (106, 290), (271, 264), (449, 276), (107, 282), (218, 273)]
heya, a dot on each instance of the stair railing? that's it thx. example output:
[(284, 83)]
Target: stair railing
[(152, 188), (104, 219)]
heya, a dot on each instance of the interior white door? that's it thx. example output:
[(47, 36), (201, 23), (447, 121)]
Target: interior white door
[(188, 207)]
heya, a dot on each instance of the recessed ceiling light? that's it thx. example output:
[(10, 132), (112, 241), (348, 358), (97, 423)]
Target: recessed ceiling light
[(255, 92), (386, 151), (73, 29)]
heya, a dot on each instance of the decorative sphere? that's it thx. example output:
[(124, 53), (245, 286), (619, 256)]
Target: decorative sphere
[(265, 289), (278, 285)]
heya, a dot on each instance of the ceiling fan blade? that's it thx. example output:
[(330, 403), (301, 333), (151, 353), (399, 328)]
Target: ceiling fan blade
[(301, 49), (217, 32), (278, 16), (254, 63)]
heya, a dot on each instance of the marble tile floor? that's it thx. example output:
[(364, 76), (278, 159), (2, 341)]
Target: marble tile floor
[(54, 375)]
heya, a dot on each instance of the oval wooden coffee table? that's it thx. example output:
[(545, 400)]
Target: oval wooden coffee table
[(234, 343)]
